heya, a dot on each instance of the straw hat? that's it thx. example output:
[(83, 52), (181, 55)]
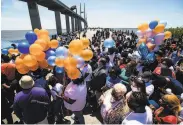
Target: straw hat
[(26, 82)]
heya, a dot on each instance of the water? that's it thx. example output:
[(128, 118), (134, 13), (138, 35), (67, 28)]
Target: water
[(16, 36)]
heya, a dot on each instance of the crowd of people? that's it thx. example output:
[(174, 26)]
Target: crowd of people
[(123, 88)]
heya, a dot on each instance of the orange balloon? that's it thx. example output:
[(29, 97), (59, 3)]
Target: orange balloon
[(42, 42), (22, 56), (11, 50), (16, 51), (73, 73), (29, 60), (36, 31), (41, 56), (159, 28), (35, 49), (85, 42), (150, 46), (44, 37), (75, 47), (87, 54), (47, 47), (70, 62), (35, 67), (168, 34), (18, 61), (43, 64), (143, 27), (139, 27), (43, 32), (23, 70), (53, 43), (59, 62)]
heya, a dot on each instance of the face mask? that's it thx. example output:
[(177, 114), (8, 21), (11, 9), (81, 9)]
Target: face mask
[(134, 89)]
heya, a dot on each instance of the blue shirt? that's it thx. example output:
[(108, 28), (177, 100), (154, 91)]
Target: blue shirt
[(29, 112), (111, 82), (174, 57)]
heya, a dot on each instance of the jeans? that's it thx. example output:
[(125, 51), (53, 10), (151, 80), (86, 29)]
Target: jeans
[(79, 116)]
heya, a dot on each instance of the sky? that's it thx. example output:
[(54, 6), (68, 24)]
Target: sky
[(103, 13)]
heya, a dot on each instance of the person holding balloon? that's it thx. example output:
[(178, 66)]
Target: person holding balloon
[(75, 98)]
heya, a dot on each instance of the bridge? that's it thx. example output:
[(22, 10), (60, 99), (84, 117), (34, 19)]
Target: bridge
[(59, 8)]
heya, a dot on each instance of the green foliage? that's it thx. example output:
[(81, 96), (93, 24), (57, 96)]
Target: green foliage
[(176, 32)]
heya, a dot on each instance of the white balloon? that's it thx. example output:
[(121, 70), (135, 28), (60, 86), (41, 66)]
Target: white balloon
[(163, 22)]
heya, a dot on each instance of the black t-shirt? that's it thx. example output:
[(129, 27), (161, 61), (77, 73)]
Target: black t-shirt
[(3, 79)]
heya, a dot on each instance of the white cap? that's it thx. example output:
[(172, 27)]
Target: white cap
[(168, 91)]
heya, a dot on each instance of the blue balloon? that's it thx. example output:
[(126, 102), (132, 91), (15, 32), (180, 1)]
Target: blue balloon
[(23, 47), (50, 49), (51, 60), (109, 43), (4, 51), (153, 24), (150, 58), (61, 51), (143, 50), (31, 37), (50, 53), (80, 61), (59, 69)]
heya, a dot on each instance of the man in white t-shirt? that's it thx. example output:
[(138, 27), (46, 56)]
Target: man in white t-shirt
[(146, 76), (141, 113), (75, 98)]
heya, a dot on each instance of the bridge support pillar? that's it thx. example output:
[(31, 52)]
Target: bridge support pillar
[(80, 27), (76, 24), (58, 22), (72, 23), (34, 15), (67, 23)]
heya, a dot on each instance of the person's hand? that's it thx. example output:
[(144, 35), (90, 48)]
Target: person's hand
[(158, 111), (100, 100)]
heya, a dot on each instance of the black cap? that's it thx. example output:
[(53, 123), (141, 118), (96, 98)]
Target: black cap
[(146, 74)]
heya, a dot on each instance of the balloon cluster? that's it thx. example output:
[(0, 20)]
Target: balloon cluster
[(33, 51), (150, 36), (42, 52), (70, 59)]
